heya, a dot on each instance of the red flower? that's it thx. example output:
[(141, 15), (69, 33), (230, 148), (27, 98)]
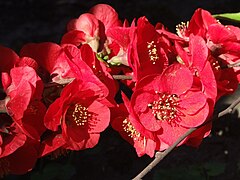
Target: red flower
[(23, 101), (125, 122), (195, 57), (63, 63), (106, 14), (223, 44), (90, 27), (80, 114), (15, 147), (21, 160), (23, 89), (100, 70), (148, 50), (50, 57), (82, 30), (198, 24), (8, 59), (167, 104), (11, 136), (118, 44)]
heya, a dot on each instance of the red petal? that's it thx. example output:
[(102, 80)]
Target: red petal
[(219, 33), (120, 35), (75, 37), (52, 143), (149, 121), (209, 82), (140, 100), (87, 23), (170, 133), (53, 115), (176, 79), (24, 159), (192, 102), (19, 100), (196, 137), (105, 14), (12, 143), (196, 119), (32, 121), (8, 59), (199, 52), (48, 55), (100, 121)]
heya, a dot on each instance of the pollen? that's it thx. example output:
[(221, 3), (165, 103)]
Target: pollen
[(215, 64), (181, 28), (152, 51), (80, 115), (165, 108), (130, 130)]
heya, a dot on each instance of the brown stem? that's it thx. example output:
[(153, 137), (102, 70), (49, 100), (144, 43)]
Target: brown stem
[(122, 77), (160, 155)]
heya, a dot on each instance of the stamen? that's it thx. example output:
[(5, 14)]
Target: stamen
[(80, 115), (130, 130), (181, 28), (152, 51), (165, 108)]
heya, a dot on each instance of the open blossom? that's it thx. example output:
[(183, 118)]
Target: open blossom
[(21, 114), (223, 44), (23, 100), (52, 60), (56, 98), (167, 105), (195, 56), (91, 27), (80, 115), (23, 89), (125, 122), (100, 70), (148, 51), (67, 62)]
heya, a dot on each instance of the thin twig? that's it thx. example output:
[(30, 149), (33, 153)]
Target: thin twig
[(160, 155), (122, 77)]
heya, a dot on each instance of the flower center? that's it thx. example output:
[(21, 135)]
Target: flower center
[(79, 114), (165, 108), (152, 51), (130, 130)]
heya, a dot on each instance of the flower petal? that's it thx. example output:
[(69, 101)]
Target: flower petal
[(149, 121), (100, 117), (192, 102), (196, 119), (176, 79)]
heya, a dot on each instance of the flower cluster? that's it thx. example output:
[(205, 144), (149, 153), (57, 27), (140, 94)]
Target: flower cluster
[(59, 97)]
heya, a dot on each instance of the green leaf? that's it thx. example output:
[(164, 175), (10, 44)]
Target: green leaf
[(229, 16)]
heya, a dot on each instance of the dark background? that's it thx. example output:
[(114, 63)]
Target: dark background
[(23, 21)]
